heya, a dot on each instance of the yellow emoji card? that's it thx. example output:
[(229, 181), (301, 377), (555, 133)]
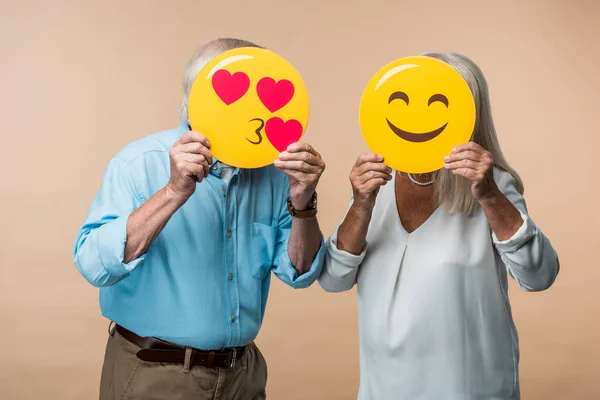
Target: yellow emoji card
[(251, 104), (414, 111)]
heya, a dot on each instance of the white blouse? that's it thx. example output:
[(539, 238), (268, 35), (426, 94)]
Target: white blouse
[(435, 321)]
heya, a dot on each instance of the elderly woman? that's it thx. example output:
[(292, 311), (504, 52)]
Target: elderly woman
[(430, 255)]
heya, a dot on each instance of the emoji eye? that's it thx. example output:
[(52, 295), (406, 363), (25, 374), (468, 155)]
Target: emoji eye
[(398, 95), (438, 97)]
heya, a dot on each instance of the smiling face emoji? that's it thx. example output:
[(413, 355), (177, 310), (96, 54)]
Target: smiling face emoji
[(251, 104), (414, 111)]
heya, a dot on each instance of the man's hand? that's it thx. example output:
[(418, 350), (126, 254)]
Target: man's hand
[(474, 163), (190, 162), (304, 167), (367, 176)]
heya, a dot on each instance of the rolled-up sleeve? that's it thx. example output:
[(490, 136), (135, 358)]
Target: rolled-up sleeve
[(285, 271), (283, 267), (528, 255), (100, 244), (341, 267)]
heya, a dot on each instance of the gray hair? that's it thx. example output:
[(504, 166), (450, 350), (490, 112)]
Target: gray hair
[(452, 191), (200, 58)]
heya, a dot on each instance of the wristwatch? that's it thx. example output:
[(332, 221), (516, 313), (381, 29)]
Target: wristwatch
[(311, 211)]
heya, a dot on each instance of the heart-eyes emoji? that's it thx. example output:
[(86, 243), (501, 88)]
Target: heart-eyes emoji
[(251, 104)]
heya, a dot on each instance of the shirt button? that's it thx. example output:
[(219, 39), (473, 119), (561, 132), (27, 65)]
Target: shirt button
[(228, 233), (230, 276), (233, 318), (224, 192)]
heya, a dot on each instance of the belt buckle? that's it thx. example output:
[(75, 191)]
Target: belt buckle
[(233, 358)]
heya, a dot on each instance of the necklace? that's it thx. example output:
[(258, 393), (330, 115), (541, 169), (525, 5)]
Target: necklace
[(416, 182)]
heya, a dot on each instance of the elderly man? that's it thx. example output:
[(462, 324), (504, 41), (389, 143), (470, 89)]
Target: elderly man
[(181, 246)]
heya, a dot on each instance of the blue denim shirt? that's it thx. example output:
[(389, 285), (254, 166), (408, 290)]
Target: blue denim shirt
[(205, 279)]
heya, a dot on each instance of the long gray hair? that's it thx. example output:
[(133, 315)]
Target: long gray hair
[(452, 191), (200, 58)]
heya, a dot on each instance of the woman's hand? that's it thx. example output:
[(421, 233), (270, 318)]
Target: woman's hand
[(474, 163), (367, 176)]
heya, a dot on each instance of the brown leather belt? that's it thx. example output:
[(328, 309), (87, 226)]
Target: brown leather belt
[(156, 350)]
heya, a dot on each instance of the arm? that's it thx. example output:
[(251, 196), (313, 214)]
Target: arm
[(304, 243), (189, 158), (120, 226), (503, 217), (304, 167), (145, 223), (343, 259), (526, 252), (307, 245), (100, 244), (347, 246), (352, 233), (301, 262)]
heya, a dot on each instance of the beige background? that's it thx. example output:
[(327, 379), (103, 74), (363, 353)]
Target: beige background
[(80, 79)]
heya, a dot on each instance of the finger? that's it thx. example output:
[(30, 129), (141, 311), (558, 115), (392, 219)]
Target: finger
[(467, 173), (195, 148), (470, 164), (292, 172), (300, 166), (468, 146), (372, 175), (206, 170), (298, 147), (373, 166), (373, 184), (197, 170), (302, 156), (194, 158), (464, 155), (192, 136), (190, 164), (368, 157)]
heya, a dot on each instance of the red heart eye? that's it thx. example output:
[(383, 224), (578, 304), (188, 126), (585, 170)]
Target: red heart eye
[(274, 95), (230, 88)]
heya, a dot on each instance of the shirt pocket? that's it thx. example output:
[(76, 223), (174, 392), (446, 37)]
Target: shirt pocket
[(263, 242)]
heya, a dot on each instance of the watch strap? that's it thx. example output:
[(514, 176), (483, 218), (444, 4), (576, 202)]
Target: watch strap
[(311, 211)]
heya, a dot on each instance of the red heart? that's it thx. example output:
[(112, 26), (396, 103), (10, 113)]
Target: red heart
[(230, 88), (274, 95), (282, 134)]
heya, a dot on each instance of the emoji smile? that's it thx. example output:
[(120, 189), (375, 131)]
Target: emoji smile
[(416, 137)]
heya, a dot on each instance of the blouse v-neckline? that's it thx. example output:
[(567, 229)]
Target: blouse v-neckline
[(397, 213)]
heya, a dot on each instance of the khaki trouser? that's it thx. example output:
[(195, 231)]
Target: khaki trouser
[(125, 377)]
